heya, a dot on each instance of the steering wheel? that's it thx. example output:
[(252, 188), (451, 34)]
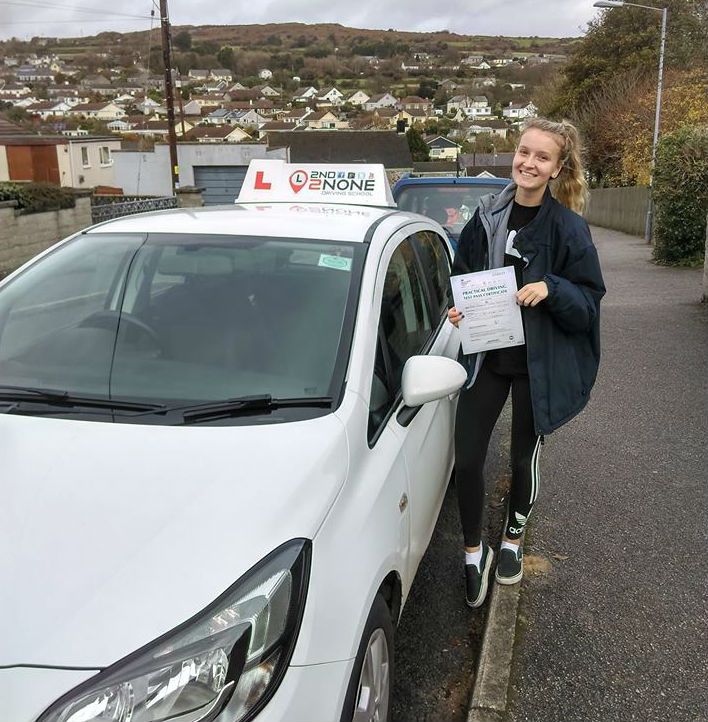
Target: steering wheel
[(110, 319)]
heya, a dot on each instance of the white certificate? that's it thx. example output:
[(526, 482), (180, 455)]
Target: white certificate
[(492, 318)]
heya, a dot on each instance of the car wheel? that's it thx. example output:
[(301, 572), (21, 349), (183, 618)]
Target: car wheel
[(368, 697)]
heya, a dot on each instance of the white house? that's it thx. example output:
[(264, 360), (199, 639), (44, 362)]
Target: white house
[(325, 120), (46, 109), (222, 134), (265, 74), (383, 100), (331, 95), (305, 95), (519, 111), (358, 98), (100, 111)]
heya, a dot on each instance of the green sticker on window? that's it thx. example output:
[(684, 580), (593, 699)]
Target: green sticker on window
[(338, 262)]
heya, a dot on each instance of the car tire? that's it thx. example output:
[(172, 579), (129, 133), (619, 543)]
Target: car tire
[(368, 697)]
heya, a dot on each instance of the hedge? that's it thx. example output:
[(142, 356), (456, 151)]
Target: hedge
[(37, 197), (680, 195)]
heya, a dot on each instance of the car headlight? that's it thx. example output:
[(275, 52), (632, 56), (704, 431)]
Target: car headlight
[(233, 653)]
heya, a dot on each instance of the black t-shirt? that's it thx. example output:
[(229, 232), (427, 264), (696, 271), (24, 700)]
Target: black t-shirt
[(512, 361)]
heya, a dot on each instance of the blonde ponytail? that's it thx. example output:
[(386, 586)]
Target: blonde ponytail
[(570, 187)]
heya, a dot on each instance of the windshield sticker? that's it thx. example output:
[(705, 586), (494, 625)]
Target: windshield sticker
[(305, 258), (341, 264)]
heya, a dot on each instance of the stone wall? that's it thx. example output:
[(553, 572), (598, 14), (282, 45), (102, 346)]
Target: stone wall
[(621, 209), (24, 235)]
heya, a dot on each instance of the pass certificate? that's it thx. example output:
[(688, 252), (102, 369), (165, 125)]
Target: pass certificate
[(492, 318)]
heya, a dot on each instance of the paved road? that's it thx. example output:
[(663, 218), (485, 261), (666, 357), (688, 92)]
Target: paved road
[(614, 625)]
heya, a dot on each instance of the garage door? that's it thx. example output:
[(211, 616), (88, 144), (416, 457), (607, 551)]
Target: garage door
[(220, 183)]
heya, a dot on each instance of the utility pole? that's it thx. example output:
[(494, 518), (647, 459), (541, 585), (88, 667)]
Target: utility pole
[(169, 94)]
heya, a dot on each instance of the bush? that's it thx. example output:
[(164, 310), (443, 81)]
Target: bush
[(680, 195), (37, 197)]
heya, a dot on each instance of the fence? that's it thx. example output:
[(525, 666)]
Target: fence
[(105, 210), (622, 209)]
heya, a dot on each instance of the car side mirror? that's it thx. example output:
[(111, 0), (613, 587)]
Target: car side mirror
[(428, 378)]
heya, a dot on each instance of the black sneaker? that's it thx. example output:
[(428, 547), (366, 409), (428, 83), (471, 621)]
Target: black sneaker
[(478, 581), (510, 567)]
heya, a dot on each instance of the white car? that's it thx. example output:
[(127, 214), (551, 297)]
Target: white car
[(225, 434)]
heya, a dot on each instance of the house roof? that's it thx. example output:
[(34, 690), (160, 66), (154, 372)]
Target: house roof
[(211, 131), (345, 146), (411, 99), (10, 129), (440, 141)]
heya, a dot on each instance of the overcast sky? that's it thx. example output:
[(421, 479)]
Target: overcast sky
[(67, 18)]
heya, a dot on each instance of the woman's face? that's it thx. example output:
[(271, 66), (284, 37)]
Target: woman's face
[(536, 161)]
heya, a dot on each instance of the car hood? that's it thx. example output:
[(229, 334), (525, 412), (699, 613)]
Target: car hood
[(112, 534)]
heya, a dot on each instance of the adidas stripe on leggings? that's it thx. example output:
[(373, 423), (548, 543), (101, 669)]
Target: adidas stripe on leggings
[(478, 409)]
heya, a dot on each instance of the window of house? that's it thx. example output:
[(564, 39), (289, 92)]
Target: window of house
[(104, 153), (85, 157)]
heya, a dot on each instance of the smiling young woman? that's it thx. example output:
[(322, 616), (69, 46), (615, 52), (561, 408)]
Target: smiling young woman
[(533, 225)]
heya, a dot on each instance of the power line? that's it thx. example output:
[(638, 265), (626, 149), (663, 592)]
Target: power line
[(79, 9)]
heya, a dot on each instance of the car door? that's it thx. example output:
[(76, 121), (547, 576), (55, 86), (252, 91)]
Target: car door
[(413, 321)]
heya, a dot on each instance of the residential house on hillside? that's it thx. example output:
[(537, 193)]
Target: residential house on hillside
[(243, 94), (246, 118), (519, 111), (205, 100), (413, 117), (457, 102), (268, 91), (15, 90), (100, 111), (473, 60), (325, 120), (414, 102), (237, 86), (198, 74), (305, 95), (382, 100), (357, 99), (501, 62), (213, 134), (442, 148), (48, 108), (331, 96), (91, 80), (34, 74), (160, 128), (221, 74), (191, 107), (72, 96), (296, 116)]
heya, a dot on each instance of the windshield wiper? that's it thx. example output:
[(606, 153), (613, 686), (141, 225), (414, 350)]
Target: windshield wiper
[(226, 408), (64, 398)]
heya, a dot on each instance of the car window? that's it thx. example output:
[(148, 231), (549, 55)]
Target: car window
[(190, 318), (404, 329), (450, 205), (437, 267)]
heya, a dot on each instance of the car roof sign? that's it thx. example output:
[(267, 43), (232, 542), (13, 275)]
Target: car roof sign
[(274, 181)]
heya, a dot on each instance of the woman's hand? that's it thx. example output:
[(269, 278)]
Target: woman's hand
[(531, 294), (454, 316)]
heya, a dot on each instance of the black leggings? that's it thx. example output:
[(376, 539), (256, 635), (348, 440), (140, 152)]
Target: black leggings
[(478, 409)]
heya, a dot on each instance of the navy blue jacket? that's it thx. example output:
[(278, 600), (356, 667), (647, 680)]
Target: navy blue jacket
[(563, 331)]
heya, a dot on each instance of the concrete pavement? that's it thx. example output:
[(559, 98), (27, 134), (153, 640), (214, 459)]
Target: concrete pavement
[(614, 623)]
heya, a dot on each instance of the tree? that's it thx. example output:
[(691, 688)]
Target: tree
[(226, 57), (183, 41), (418, 147), (626, 39)]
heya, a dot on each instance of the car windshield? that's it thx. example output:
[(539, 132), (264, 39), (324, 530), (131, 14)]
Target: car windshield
[(180, 319), (450, 205)]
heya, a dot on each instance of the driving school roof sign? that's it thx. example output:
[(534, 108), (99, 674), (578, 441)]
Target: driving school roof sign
[(276, 181)]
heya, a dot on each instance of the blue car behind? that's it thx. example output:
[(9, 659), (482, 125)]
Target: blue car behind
[(450, 201)]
